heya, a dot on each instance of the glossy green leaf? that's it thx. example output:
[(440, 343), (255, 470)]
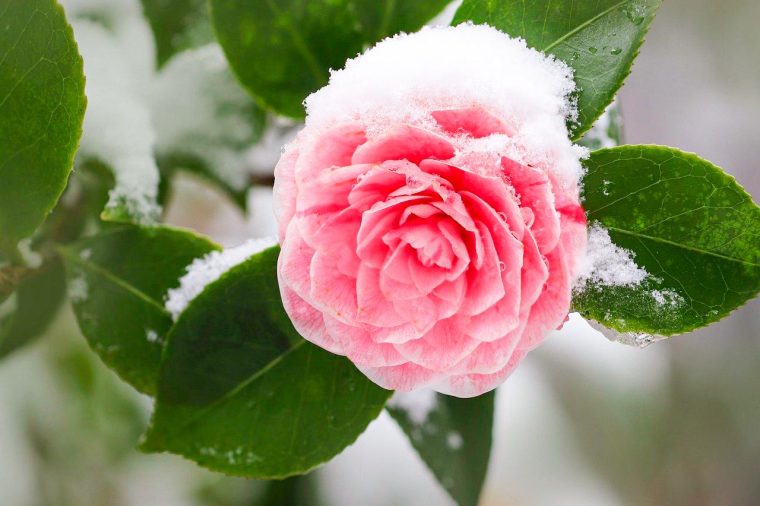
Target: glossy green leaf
[(29, 311), (42, 106), (382, 19), (241, 392), (599, 39), (282, 50), (177, 25), (454, 440), (117, 281), (690, 226)]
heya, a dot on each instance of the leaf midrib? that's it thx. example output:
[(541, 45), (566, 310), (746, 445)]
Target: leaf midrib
[(300, 44), (242, 385), (680, 245), (111, 277), (584, 25)]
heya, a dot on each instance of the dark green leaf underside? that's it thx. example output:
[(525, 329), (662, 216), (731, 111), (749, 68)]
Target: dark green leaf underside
[(241, 392), (599, 40), (117, 283), (455, 442), (690, 225), (42, 106)]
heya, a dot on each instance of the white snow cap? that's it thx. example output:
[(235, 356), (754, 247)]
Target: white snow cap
[(405, 77), (204, 271)]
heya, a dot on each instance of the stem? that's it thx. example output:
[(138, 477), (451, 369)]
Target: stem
[(265, 180), (10, 277)]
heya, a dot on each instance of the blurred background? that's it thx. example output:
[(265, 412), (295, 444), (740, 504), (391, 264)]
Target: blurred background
[(582, 422)]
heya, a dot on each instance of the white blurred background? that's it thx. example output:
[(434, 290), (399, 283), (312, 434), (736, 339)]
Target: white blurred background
[(582, 422)]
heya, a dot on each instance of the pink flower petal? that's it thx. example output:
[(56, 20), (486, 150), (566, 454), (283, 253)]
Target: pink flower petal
[(472, 385), (551, 308), (401, 378), (535, 191), (485, 286), (295, 255), (475, 121), (332, 292), (404, 142), (284, 188), (360, 348), (333, 148), (308, 321), (373, 307), (442, 347)]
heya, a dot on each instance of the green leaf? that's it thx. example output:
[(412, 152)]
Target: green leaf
[(42, 106), (282, 50), (117, 283), (691, 227), (382, 19), (241, 392), (29, 311), (177, 25), (599, 39), (454, 440)]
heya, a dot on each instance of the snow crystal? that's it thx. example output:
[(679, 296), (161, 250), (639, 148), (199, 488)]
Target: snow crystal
[(606, 264), (199, 112), (668, 298), (454, 440), (204, 271), (417, 404), (405, 77)]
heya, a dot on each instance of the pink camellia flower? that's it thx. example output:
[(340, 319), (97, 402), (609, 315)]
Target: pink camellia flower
[(428, 213)]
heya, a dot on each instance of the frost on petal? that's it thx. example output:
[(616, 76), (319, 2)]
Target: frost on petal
[(404, 79), (204, 271)]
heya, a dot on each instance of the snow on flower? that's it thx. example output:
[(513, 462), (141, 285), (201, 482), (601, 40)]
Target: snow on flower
[(428, 212)]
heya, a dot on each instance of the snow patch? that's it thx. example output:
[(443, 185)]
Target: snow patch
[(606, 264), (31, 258), (204, 271), (454, 440), (117, 126), (417, 404)]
